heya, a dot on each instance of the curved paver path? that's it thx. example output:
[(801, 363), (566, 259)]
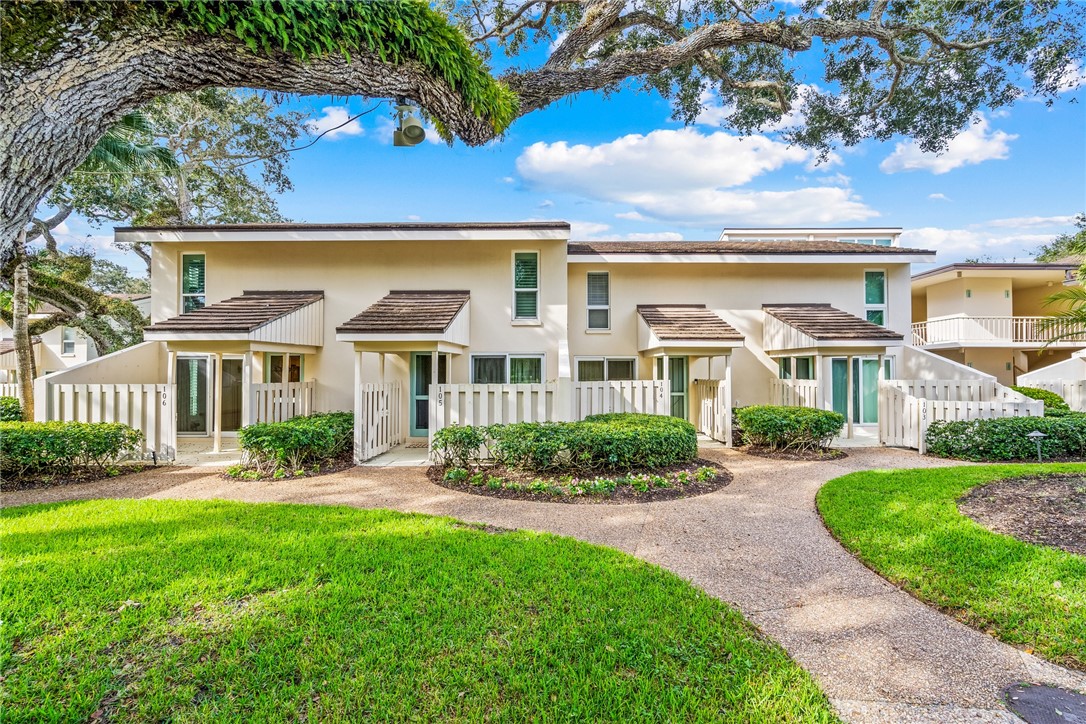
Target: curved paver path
[(880, 655)]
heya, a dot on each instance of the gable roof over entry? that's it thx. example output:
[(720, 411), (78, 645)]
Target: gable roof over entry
[(280, 317), (804, 326), (686, 326), (411, 315)]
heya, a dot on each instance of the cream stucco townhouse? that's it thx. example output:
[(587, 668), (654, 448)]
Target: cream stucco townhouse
[(417, 326), (989, 316)]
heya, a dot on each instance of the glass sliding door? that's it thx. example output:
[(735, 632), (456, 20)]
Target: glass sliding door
[(231, 394), (865, 388), (679, 384), (192, 395), (422, 370)]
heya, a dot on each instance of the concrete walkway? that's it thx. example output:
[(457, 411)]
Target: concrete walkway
[(879, 654)]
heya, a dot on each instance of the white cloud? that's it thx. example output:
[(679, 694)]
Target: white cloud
[(938, 197), (686, 176), (1025, 222), (508, 180), (545, 204), (957, 244), (1074, 78), (630, 216), (594, 231), (332, 117), (975, 145), (413, 217)]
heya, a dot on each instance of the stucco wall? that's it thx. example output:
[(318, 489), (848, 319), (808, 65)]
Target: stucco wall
[(355, 274), (987, 299), (736, 292)]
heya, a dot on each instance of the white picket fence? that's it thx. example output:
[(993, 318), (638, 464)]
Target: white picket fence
[(278, 401), (492, 404), (794, 393), (378, 420), (908, 407), (9, 389), (649, 397), (148, 408), (713, 401), (1072, 391)]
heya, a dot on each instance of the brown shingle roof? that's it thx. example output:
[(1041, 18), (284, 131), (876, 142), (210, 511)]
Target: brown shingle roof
[(250, 311), (8, 345), (427, 312), (823, 322), (733, 247), (686, 321)]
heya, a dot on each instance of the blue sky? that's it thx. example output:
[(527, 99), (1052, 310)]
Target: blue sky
[(617, 168)]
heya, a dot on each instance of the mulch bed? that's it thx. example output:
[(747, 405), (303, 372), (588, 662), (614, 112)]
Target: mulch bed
[(1044, 509), (336, 465), (806, 455), (79, 475), (623, 494)]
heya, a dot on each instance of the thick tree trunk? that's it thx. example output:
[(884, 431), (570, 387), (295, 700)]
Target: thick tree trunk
[(52, 116), (24, 351)]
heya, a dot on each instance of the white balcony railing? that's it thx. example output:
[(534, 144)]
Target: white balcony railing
[(964, 330)]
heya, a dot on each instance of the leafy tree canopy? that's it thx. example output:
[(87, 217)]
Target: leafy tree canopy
[(1066, 246)]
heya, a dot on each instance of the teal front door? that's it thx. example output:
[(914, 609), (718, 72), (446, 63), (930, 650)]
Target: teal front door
[(680, 383), (422, 370), (865, 388)]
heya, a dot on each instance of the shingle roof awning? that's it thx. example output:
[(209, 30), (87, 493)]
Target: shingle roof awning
[(795, 326), (285, 317), (689, 326), (735, 247), (411, 315)]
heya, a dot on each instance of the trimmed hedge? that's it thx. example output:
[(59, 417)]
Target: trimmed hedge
[(621, 441), (1054, 404), (788, 428), (31, 448), (298, 442), (1005, 438), (10, 409)]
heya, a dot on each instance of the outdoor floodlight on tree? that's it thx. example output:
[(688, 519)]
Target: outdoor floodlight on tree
[(409, 131)]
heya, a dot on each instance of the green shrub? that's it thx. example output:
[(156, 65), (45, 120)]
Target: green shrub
[(29, 448), (10, 409), (619, 441), (298, 442), (1006, 438), (789, 428), (459, 445), (1053, 402)]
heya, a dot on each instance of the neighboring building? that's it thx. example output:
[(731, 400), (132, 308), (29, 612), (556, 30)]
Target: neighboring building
[(61, 347), (988, 316)]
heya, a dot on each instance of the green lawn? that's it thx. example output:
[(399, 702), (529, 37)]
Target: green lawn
[(193, 611), (905, 524)]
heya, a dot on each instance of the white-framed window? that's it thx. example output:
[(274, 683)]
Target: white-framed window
[(283, 367), (526, 285), (599, 300), (795, 368), (67, 340), (504, 369), (871, 242), (875, 296), (193, 285), (606, 369)]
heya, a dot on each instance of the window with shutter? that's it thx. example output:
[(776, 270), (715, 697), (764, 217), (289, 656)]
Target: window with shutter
[(193, 291), (599, 300), (526, 285)]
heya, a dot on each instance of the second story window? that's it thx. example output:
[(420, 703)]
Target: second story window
[(875, 296), (599, 300), (67, 340), (526, 285), (193, 294)]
